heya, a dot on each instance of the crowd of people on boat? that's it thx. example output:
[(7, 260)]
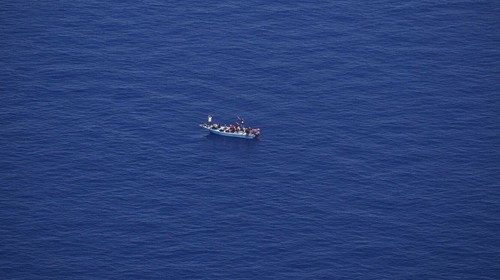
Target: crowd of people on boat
[(233, 128)]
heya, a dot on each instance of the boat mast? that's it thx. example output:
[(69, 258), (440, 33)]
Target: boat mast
[(241, 121)]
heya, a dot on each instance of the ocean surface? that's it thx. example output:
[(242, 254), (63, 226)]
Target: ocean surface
[(379, 156)]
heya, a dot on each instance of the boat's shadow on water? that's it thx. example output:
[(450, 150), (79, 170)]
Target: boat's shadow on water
[(231, 142)]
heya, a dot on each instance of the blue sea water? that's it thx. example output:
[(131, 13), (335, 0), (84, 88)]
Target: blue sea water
[(379, 157)]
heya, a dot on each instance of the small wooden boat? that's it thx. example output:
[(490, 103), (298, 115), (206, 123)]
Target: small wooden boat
[(236, 130)]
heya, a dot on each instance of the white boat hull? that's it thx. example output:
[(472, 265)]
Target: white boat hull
[(229, 134)]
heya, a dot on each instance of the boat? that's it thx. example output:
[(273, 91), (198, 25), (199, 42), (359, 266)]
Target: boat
[(237, 130)]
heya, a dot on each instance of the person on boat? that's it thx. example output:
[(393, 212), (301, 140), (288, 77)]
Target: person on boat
[(209, 119)]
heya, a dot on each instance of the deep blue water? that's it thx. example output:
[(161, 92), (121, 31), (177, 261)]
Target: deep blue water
[(379, 157)]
